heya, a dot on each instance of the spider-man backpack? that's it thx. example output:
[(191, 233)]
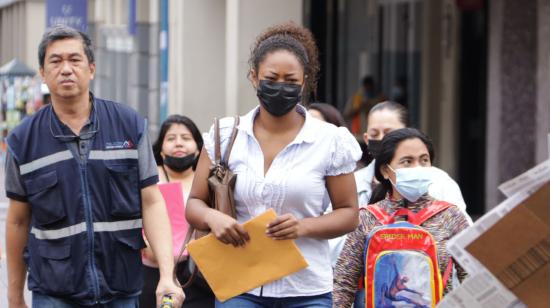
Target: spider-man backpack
[(401, 263)]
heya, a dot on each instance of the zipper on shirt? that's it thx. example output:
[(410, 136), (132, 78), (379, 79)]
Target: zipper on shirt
[(90, 230), (261, 291)]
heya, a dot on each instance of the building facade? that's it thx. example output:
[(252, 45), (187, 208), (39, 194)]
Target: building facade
[(474, 72)]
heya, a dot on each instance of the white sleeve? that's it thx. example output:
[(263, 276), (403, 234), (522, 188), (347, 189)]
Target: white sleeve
[(345, 152)]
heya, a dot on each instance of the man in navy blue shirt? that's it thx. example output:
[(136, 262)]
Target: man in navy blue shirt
[(81, 179)]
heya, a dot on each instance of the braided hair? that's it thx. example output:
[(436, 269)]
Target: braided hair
[(295, 39)]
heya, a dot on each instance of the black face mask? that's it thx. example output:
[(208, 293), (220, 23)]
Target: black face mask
[(374, 147), (180, 164), (278, 98)]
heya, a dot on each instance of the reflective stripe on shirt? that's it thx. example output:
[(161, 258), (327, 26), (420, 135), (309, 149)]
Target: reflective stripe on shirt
[(45, 161), (107, 226)]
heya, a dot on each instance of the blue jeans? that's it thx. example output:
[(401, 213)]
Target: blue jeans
[(45, 301), (253, 301)]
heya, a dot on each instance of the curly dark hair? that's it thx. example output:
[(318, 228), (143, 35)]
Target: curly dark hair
[(295, 39)]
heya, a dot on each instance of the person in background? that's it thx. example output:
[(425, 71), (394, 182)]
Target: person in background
[(384, 118), (283, 163), (398, 92), (360, 104), (327, 113), (405, 149), (176, 152)]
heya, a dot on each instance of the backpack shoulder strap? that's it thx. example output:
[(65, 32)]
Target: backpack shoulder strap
[(428, 212), (382, 216), (448, 272), (403, 212), (225, 158)]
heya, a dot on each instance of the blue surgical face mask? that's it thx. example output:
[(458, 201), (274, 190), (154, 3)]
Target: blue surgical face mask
[(412, 183)]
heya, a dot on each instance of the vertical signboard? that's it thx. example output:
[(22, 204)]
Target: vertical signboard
[(72, 13), (132, 18)]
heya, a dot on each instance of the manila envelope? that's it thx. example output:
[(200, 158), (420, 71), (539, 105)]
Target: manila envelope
[(517, 249), (231, 271)]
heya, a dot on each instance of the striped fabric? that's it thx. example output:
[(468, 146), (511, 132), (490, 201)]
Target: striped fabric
[(45, 161), (65, 155), (113, 154), (108, 226), (349, 267)]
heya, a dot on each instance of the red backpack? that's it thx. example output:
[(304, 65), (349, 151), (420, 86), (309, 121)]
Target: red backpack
[(401, 263)]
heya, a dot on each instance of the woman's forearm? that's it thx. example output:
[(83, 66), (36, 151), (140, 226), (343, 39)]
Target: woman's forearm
[(334, 224)]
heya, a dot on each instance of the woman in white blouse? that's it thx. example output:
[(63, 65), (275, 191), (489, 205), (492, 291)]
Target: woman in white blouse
[(284, 159)]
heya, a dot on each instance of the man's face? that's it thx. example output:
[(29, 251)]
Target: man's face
[(67, 71)]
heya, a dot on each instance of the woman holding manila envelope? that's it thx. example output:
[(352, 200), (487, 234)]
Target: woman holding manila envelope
[(284, 160)]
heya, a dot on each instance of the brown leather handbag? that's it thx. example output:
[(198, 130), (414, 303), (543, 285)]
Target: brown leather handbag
[(221, 180), (221, 183)]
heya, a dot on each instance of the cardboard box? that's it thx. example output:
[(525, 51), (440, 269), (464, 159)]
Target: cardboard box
[(516, 249)]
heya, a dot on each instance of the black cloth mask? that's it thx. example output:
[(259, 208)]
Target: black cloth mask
[(180, 164), (374, 147), (279, 98)]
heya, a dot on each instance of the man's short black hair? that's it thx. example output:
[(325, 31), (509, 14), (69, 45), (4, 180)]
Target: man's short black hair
[(62, 32)]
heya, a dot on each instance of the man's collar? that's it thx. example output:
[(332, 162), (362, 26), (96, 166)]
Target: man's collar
[(59, 128)]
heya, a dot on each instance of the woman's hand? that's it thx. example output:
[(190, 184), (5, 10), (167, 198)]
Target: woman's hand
[(226, 229), (285, 227)]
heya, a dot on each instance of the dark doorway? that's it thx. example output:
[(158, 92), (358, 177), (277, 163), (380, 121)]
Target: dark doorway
[(321, 18), (473, 109)]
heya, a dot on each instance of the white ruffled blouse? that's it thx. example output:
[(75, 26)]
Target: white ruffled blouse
[(294, 183)]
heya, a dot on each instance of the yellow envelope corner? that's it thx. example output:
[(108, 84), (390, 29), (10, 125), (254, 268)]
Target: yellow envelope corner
[(231, 271)]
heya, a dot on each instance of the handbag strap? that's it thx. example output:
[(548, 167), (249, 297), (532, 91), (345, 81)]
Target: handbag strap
[(191, 229), (188, 237), (217, 141), (225, 157)]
